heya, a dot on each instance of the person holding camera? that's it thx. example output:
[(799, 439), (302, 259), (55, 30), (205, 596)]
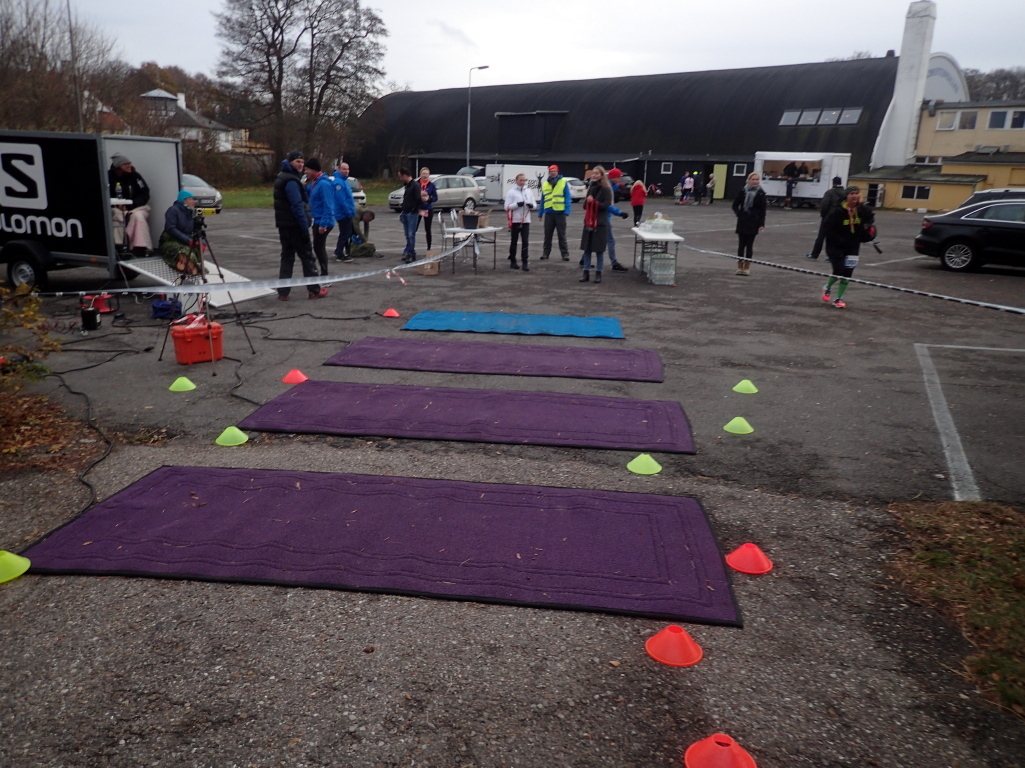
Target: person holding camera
[(178, 244), (847, 227), (519, 202)]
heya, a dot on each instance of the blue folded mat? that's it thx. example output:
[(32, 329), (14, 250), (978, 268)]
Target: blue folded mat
[(500, 322)]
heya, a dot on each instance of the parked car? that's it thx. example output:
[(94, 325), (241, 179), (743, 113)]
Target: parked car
[(988, 195), (358, 193), (969, 237), (207, 197), (623, 190), (453, 192), (577, 188), (482, 184), (471, 170)]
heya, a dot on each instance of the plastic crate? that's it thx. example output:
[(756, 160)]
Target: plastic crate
[(661, 269)]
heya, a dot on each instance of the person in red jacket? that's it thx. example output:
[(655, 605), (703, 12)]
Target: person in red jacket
[(638, 194)]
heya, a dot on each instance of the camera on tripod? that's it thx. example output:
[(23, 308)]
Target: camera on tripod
[(198, 225)]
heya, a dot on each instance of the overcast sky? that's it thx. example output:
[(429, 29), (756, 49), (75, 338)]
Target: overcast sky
[(433, 43)]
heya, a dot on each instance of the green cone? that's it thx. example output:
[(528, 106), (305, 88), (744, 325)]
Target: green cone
[(644, 465), (232, 436), (739, 426), (746, 388), (182, 384), (12, 566)]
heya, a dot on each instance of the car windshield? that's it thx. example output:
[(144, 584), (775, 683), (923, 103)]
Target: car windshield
[(193, 181), (354, 184)]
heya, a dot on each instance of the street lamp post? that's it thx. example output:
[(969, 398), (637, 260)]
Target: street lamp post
[(469, 86)]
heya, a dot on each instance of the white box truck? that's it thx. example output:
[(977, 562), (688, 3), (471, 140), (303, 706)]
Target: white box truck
[(55, 203), (500, 177), (815, 174)]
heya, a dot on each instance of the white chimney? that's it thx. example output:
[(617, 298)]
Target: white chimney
[(181, 100), (895, 145)]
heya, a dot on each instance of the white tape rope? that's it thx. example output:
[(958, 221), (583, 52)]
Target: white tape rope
[(971, 302), (295, 282)]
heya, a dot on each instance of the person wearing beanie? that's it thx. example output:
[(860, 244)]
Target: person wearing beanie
[(556, 202), (614, 176), (847, 227), (292, 217), (176, 244), (131, 220), (322, 208), (833, 197)]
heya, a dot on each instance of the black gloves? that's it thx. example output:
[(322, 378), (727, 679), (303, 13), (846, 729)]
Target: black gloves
[(520, 204), (624, 215)]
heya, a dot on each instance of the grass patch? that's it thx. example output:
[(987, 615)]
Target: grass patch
[(968, 560), (263, 197)]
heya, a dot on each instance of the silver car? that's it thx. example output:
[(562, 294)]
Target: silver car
[(577, 188), (358, 193), (207, 198), (453, 192)]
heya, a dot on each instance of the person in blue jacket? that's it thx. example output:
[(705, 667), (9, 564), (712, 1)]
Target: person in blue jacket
[(345, 209), (322, 208), (292, 218), (614, 176), (176, 240)]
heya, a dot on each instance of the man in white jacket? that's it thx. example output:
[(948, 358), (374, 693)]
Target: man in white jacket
[(519, 202)]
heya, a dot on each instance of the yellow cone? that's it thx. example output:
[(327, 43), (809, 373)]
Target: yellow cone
[(746, 388), (739, 426), (232, 436), (644, 465), (182, 384), (12, 566)]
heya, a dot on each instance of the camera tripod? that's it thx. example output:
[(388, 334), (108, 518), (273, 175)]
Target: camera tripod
[(197, 244)]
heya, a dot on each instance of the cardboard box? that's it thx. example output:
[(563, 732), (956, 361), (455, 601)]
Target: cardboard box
[(433, 268)]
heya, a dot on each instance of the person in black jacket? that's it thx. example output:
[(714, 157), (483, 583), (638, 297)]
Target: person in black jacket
[(131, 220), (830, 201), (749, 206), (595, 237), (409, 214), (847, 227), (293, 218)]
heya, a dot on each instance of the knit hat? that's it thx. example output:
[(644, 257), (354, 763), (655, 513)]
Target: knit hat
[(615, 173), (553, 169), (313, 164), (184, 195), (118, 160), (295, 154), (851, 189)]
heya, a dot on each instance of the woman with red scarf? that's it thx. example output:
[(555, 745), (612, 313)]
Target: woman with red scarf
[(596, 222)]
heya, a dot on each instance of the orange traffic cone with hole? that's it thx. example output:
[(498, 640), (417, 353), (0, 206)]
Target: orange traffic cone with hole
[(390, 313), (749, 558), (295, 376), (673, 646), (717, 751)]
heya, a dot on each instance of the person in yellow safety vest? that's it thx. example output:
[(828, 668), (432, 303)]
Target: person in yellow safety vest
[(556, 202)]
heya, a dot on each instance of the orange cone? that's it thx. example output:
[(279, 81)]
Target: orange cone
[(673, 646), (749, 558), (295, 376), (390, 313), (717, 751)]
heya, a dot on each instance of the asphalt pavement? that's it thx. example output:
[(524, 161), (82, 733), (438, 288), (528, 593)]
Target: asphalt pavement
[(899, 396)]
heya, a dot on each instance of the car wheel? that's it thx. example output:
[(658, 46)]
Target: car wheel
[(25, 269), (469, 204), (960, 256)]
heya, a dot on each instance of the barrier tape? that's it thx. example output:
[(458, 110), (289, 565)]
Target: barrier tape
[(900, 289), (295, 282)]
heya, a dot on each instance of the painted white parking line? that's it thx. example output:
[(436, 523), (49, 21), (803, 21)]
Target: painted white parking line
[(976, 349), (893, 261)]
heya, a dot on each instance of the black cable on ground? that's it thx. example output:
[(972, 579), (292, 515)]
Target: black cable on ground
[(97, 365), (238, 376)]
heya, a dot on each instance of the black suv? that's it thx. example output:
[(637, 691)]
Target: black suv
[(989, 195), (971, 236)]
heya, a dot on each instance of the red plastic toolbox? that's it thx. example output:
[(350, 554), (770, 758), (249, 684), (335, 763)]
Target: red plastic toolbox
[(192, 342)]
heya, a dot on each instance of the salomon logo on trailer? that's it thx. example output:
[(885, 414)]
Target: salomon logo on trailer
[(23, 186)]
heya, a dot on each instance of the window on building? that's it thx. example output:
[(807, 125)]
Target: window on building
[(809, 117), (790, 117), (946, 121), (997, 120), (740, 169), (966, 120), (850, 116), (915, 192), (1018, 119), (667, 168), (830, 116)]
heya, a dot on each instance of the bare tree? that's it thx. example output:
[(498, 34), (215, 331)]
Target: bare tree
[(997, 84), (856, 56)]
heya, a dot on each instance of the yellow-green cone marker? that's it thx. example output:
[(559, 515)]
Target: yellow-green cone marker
[(644, 465), (182, 384), (746, 388), (739, 426), (232, 436), (12, 566)]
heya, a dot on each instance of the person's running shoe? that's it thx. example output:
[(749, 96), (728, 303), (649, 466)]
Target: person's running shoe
[(345, 259), (838, 304), (318, 294), (810, 256), (617, 267), (825, 295)]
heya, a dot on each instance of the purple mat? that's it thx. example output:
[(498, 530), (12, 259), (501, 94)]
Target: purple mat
[(499, 358), (607, 551), (481, 415)]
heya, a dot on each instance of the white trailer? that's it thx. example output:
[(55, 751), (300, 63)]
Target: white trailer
[(817, 170), (500, 177)]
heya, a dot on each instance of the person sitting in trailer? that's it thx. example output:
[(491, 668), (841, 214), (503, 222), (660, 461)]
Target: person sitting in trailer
[(131, 220), (177, 247)]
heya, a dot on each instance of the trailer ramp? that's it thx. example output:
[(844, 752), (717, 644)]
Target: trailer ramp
[(156, 269)]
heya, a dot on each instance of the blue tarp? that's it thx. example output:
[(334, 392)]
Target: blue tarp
[(500, 322)]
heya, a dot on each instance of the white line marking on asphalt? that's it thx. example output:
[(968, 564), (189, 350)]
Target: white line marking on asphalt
[(962, 480), (894, 261), (976, 349)]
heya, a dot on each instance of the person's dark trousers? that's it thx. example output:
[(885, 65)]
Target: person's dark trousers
[(320, 248), (344, 237), (428, 219), (555, 223), (519, 232), (638, 212), (296, 242), (816, 250)]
